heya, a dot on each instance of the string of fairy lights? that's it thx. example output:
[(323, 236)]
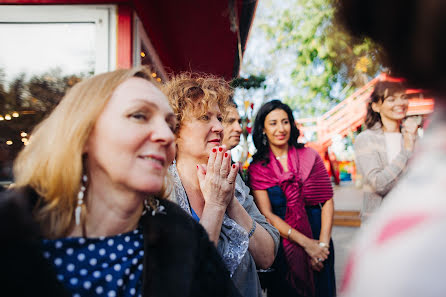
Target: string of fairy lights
[(23, 135), (9, 117), (154, 75)]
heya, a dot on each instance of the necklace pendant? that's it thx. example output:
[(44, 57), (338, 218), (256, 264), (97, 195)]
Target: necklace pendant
[(153, 206)]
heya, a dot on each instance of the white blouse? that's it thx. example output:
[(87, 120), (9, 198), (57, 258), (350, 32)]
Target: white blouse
[(394, 142)]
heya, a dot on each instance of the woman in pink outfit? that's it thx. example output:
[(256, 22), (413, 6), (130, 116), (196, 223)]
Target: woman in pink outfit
[(293, 191)]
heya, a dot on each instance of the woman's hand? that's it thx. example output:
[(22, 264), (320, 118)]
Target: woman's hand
[(317, 265), (409, 131), (217, 178), (316, 252)]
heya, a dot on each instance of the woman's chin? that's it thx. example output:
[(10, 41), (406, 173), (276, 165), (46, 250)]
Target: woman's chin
[(211, 145), (151, 191), (398, 116), (199, 157), (150, 187), (280, 143)]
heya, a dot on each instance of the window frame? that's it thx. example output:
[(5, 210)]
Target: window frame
[(140, 39), (103, 16)]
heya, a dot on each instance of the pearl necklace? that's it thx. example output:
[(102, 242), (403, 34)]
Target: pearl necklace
[(280, 157)]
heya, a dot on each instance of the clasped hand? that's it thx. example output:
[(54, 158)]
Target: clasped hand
[(217, 178), (317, 253), (409, 132)]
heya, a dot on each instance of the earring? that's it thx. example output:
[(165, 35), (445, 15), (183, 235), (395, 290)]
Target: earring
[(80, 200), (264, 139)]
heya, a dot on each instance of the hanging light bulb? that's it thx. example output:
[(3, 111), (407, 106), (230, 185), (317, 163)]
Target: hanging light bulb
[(15, 114), (8, 142), (23, 134), (7, 117), (2, 118)]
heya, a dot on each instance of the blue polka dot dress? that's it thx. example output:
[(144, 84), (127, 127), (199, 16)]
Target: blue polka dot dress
[(104, 266)]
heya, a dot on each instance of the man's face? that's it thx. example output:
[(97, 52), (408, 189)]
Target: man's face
[(232, 128)]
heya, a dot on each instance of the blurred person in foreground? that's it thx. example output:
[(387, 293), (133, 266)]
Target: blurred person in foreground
[(292, 189), (205, 181), (401, 251), (383, 150), (232, 127), (86, 215)]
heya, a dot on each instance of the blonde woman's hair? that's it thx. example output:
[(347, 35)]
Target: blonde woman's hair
[(52, 163), (192, 94)]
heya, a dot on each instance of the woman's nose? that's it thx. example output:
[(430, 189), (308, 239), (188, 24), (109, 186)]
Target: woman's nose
[(163, 133), (238, 127), (217, 126)]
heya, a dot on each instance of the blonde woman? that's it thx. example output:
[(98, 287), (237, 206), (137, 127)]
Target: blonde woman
[(86, 216)]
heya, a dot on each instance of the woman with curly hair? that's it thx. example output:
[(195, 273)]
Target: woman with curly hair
[(208, 187)]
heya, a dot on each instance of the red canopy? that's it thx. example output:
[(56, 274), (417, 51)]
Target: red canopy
[(196, 35), (187, 35)]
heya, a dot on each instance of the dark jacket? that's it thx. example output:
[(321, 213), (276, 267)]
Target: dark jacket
[(179, 259)]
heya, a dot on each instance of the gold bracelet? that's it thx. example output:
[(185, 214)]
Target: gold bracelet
[(289, 233)]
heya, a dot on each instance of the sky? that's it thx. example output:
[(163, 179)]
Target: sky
[(259, 57), (37, 48)]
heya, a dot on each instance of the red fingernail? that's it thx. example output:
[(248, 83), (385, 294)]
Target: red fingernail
[(214, 150), (226, 155), (233, 165), (220, 149), (198, 167)]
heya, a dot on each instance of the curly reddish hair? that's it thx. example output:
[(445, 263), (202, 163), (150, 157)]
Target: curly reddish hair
[(192, 94)]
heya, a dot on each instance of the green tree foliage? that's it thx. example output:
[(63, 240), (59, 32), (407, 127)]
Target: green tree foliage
[(326, 57), (37, 95), (23, 104), (252, 81)]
